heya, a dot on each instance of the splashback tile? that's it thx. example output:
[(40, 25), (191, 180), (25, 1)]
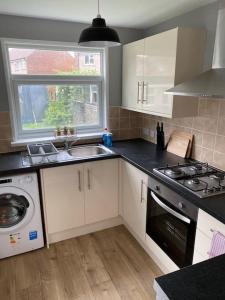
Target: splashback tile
[(208, 107)]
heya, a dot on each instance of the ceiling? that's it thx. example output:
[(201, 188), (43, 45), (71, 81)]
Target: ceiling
[(123, 13)]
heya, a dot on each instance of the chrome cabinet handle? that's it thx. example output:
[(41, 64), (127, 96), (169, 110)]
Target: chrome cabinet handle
[(138, 92), (142, 183), (89, 179), (170, 210), (145, 87), (79, 181)]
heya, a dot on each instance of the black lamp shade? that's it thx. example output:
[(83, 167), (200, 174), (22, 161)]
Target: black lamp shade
[(99, 35)]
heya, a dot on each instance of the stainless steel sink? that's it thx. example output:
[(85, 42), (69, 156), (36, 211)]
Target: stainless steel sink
[(89, 151)]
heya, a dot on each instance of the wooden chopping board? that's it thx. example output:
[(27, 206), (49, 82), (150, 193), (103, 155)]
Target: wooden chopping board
[(187, 135), (178, 145)]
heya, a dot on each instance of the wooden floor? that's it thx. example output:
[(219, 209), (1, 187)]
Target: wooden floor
[(108, 264)]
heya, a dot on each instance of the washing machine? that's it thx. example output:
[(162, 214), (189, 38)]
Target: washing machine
[(21, 227)]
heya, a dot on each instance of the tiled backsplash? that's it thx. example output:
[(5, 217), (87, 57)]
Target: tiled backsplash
[(124, 124), (5, 132), (208, 129)]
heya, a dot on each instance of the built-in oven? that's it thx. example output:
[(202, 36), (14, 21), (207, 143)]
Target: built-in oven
[(171, 222)]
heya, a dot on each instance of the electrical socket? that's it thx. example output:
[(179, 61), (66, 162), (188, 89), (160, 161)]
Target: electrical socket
[(152, 133)]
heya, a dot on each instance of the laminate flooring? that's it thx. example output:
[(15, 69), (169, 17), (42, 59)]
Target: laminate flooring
[(108, 264)]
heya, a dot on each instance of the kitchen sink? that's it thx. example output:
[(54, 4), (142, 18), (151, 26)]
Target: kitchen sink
[(89, 151)]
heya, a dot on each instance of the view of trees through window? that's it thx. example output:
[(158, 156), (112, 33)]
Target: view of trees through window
[(58, 104), (51, 106)]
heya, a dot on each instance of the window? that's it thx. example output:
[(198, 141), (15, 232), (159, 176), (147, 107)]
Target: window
[(51, 86), (89, 59)]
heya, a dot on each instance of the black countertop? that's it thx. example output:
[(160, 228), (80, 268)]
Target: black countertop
[(203, 281), (142, 154)]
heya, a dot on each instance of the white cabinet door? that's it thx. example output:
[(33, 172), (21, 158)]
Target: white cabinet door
[(158, 63), (134, 198), (133, 71), (101, 190), (159, 71), (63, 197)]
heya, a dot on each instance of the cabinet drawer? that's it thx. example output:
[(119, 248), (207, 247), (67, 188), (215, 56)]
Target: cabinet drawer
[(202, 244), (206, 223)]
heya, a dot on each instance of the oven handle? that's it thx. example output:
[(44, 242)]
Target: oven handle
[(170, 210)]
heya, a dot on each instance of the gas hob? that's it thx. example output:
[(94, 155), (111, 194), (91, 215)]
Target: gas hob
[(201, 179)]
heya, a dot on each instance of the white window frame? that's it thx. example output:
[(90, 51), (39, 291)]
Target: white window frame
[(21, 136)]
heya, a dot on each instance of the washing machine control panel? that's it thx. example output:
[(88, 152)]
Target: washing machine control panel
[(25, 179), (4, 181)]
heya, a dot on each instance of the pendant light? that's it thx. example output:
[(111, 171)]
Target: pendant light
[(98, 34)]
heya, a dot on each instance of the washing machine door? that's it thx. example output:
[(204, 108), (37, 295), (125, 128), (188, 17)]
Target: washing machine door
[(16, 208)]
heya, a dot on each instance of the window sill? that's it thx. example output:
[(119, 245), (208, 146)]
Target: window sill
[(24, 142)]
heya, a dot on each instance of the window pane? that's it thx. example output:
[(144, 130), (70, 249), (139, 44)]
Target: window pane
[(51, 106), (49, 62)]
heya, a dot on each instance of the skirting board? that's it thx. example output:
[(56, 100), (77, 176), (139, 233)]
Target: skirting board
[(68, 234)]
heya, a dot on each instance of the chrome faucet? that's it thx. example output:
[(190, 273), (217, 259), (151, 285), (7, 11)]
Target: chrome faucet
[(68, 144)]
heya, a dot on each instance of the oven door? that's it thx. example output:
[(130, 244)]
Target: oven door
[(172, 231)]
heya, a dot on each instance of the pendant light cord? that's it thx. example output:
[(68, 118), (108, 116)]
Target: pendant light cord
[(98, 15)]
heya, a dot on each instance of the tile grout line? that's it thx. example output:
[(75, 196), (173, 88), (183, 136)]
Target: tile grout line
[(217, 127)]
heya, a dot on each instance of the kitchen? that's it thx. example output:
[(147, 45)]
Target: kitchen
[(131, 220)]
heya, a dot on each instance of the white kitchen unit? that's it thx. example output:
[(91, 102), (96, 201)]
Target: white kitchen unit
[(205, 227), (63, 196), (79, 194), (133, 195), (101, 190), (133, 198), (157, 63), (133, 74)]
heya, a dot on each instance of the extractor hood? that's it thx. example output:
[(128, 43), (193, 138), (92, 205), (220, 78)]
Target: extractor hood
[(212, 82)]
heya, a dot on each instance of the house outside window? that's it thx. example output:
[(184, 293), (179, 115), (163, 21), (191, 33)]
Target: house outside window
[(89, 59), (49, 88)]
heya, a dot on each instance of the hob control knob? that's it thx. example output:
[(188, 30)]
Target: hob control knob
[(157, 188), (180, 205)]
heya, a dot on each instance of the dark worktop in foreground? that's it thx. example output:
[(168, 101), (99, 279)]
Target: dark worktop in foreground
[(202, 281)]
